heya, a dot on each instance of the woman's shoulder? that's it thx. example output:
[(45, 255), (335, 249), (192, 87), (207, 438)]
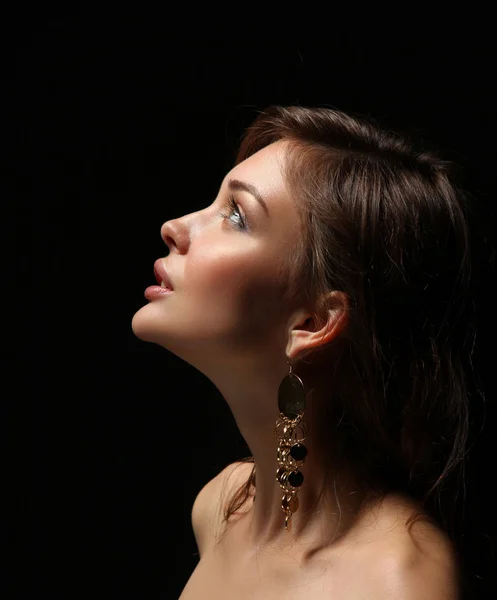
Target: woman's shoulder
[(235, 474), (400, 522), (206, 514), (419, 551)]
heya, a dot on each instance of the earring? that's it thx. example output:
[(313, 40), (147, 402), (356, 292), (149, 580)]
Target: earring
[(291, 452)]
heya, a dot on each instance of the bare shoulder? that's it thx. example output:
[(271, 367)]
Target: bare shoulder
[(235, 474), (412, 562), (208, 505), (415, 575)]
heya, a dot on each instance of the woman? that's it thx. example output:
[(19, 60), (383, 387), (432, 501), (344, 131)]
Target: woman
[(324, 293)]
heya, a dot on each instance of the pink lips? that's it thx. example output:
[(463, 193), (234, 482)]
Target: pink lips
[(161, 274)]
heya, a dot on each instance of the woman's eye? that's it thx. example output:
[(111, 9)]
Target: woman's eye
[(234, 209)]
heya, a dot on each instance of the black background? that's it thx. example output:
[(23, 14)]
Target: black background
[(116, 121)]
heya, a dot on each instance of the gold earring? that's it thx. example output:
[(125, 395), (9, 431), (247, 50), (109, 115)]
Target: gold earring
[(291, 452)]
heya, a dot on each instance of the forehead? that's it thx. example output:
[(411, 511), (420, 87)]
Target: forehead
[(264, 170)]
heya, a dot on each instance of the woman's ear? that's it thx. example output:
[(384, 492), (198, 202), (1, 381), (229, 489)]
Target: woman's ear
[(312, 332)]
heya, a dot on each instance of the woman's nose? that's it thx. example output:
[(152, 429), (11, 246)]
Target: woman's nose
[(175, 235), (166, 234)]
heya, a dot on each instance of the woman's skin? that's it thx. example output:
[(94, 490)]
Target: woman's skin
[(225, 318)]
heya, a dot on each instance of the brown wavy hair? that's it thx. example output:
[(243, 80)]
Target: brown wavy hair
[(387, 224)]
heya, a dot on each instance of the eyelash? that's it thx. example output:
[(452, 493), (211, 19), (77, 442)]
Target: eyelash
[(233, 206)]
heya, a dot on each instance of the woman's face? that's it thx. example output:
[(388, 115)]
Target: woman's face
[(225, 271)]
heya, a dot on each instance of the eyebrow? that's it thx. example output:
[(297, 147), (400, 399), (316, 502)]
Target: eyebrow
[(237, 185)]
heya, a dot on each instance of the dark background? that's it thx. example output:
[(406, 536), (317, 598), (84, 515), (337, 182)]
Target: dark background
[(114, 122)]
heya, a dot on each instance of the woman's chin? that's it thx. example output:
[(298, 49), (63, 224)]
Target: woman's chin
[(144, 326)]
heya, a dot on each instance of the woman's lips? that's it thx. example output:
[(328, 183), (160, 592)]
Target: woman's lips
[(165, 286), (155, 291), (161, 274)]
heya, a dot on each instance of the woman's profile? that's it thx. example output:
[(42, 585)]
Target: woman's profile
[(325, 293)]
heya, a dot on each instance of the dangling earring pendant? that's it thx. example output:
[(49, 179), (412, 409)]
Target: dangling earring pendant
[(291, 451)]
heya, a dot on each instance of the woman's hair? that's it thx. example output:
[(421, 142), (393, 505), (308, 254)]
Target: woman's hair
[(385, 224)]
